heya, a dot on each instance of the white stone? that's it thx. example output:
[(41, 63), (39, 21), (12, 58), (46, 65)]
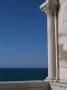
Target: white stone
[(62, 27)]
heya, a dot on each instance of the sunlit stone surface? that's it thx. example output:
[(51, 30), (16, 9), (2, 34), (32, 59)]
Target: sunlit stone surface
[(62, 23), (60, 82)]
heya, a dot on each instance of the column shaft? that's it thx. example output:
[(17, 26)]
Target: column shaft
[(51, 47)]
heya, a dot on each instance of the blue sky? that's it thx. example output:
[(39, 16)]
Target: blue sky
[(23, 34)]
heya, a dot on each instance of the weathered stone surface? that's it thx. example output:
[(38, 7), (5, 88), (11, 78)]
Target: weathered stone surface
[(62, 1), (24, 85), (62, 36), (58, 85)]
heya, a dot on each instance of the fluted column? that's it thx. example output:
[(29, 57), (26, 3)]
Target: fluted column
[(50, 9)]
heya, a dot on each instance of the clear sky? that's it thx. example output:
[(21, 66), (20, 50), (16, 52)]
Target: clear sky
[(23, 34)]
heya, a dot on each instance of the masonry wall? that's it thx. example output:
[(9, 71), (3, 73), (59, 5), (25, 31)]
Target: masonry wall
[(62, 35), (24, 85)]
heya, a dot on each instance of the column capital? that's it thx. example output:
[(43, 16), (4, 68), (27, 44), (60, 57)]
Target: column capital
[(50, 7)]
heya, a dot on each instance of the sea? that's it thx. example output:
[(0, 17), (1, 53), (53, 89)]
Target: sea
[(22, 74)]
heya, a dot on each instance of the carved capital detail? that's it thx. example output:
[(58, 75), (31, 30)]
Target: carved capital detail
[(50, 7)]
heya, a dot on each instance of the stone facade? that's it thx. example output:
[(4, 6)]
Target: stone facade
[(57, 46), (62, 36), (56, 11)]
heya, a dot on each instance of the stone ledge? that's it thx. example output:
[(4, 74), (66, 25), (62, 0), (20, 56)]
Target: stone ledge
[(24, 85), (58, 85)]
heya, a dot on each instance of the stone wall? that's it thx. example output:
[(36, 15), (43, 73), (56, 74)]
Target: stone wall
[(62, 35), (24, 85)]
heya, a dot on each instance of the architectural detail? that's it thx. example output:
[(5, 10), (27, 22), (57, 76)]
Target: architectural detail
[(57, 24), (51, 8), (62, 33)]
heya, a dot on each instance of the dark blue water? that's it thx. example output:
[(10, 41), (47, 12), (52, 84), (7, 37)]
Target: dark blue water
[(21, 74)]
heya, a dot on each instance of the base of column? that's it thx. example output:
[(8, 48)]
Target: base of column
[(49, 79)]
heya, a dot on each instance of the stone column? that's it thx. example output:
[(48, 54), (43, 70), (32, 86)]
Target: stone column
[(50, 9), (51, 45)]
